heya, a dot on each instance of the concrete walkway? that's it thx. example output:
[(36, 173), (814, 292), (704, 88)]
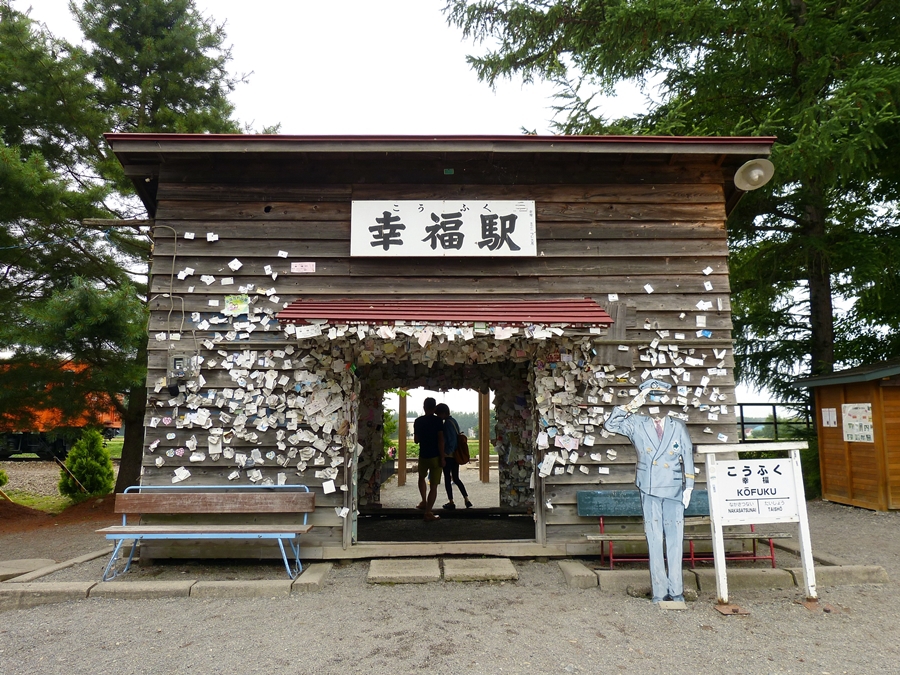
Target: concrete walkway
[(21, 592), (25, 590)]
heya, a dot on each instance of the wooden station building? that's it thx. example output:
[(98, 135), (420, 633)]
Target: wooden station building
[(295, 279)]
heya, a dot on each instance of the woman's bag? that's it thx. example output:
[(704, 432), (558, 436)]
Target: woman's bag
[(461, 454)]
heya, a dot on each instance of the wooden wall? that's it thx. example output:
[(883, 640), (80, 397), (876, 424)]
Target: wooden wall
[(861, 474), (890, 432), (612, 229)]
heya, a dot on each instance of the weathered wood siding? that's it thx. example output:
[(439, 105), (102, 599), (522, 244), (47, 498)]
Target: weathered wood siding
[(601, 230)]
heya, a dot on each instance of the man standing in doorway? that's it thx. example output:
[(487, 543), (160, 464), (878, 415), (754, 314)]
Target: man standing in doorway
[(429, 434)]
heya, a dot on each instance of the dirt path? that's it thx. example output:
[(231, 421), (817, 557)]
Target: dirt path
[(534, 625)]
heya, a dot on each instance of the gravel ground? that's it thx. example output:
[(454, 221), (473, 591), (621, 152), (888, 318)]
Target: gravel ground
[(483, 495), (534, 625), (41, 478)]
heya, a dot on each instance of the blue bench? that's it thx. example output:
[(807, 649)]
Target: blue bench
[(210, 499), (604, 504)]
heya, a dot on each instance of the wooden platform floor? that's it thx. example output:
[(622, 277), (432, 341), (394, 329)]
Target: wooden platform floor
[(408, 525)]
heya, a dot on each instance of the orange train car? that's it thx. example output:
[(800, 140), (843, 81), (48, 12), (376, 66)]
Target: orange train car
[(49, 433)]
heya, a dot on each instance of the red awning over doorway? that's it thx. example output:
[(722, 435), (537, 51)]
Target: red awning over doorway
[(572, 311)]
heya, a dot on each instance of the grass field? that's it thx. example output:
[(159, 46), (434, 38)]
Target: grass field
[(412, 448), (115, 447), (52, 504)]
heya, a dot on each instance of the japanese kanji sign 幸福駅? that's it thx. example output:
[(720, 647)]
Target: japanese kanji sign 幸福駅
[(443, 228)]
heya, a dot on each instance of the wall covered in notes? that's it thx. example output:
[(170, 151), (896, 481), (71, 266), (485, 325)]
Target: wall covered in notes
[(259, 401)]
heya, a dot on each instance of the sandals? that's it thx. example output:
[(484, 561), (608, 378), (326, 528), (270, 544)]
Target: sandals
[(431, 516), (450, 506), (421, 506)]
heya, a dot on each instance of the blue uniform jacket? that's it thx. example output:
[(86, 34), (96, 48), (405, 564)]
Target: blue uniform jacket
[(665, 467)]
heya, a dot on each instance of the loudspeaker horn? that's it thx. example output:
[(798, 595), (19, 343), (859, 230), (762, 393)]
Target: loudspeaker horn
[(754, 174)]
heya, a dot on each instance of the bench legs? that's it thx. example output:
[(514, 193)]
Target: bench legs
[(692, 558), (111, 572), (298, 566), (607, 548), (293, 569)]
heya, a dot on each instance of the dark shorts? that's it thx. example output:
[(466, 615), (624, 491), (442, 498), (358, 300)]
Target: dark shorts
[(431, 466)]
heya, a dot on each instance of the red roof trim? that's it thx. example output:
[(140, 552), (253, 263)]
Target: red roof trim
[(578, 311)]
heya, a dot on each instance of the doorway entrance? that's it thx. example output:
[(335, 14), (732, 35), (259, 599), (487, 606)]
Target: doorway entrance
[(399, 488), (387, 511)]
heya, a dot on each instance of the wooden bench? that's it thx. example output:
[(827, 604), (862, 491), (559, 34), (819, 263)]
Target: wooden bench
[(627, 503), (210, 499)]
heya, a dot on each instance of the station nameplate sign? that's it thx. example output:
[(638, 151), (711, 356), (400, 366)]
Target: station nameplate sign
[(448, 228), (756, 491)]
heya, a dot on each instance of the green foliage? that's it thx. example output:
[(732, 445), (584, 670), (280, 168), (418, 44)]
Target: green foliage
[(89, 463), (466, 420), (102, 328), (4, 478), (158, 66), (389, 428), (812, 470), (790, 426), (822, 77), (44, 110), (70, 289)]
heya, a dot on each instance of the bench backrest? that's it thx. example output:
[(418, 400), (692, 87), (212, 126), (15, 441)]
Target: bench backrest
[(611, 503), (215, 502)]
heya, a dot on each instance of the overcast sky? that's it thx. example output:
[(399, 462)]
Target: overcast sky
[(358, 67), (365, 67)]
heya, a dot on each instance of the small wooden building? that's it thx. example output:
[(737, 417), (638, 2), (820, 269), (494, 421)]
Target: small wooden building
[(294, 279), (858, 422)]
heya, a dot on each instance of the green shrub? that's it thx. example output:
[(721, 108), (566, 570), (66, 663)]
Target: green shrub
[(4, 479), (89, 462), (389, 429)]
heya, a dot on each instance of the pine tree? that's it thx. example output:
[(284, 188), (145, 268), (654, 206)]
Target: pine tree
[(145, 65), (159, 66), (821, 76), (89, 467)]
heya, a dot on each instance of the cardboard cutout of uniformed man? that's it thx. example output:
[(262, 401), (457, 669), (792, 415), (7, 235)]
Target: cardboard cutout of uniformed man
[(665, 478)]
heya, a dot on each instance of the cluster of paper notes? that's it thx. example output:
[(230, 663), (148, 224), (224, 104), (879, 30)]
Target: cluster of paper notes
[(292, 403), (294, 411)]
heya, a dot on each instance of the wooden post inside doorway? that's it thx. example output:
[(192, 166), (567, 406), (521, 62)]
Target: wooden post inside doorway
[(402, 430), (484, 437)]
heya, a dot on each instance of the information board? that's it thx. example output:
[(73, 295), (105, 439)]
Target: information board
[(858, 427), (470, 228)]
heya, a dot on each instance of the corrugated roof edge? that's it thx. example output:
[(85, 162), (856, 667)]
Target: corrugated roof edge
[(467, 143), (573, 311), (865, 373)]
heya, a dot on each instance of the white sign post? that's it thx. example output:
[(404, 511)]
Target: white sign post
[(432, 229), (753, 492)]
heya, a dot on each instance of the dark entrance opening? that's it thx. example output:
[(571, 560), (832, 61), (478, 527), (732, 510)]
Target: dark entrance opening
[(512, 519)]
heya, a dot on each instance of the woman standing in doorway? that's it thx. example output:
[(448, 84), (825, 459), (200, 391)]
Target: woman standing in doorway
[(451, 467)]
